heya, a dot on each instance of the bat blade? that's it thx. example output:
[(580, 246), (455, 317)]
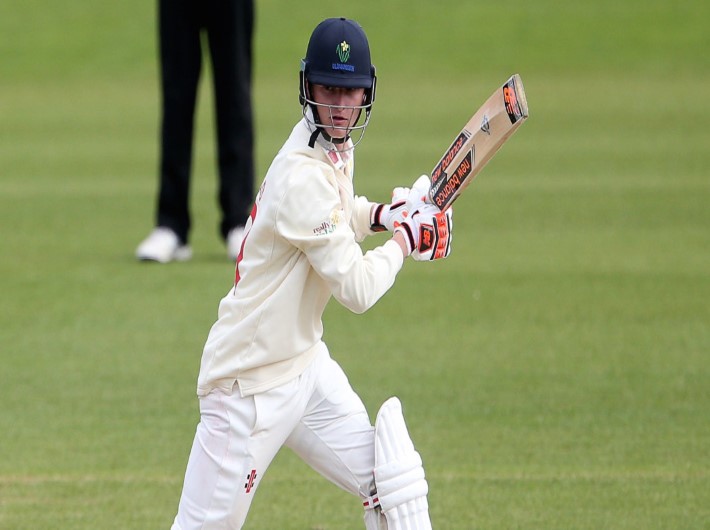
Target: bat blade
[(484, 134)]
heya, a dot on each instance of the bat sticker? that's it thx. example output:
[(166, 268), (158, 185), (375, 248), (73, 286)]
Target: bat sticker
[(449, 185), (450, 154), (510, 97)]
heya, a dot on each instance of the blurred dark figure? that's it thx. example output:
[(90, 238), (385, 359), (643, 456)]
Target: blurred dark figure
[(228, 29)]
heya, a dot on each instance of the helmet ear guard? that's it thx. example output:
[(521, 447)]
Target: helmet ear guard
[(302, 83), (370, 92)]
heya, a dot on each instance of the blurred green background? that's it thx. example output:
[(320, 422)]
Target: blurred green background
[(555, 370)]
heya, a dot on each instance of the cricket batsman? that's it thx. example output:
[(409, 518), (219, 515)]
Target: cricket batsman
[(267, 379)]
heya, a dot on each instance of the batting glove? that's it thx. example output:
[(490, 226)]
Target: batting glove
[(404, 200), (384, 216), (428, 233)]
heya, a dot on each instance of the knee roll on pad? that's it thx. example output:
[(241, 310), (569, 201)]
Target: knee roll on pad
[(400, 481)]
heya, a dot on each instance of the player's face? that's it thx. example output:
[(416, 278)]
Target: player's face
[(340, 114)]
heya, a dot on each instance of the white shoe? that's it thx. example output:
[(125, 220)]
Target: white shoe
[(234, 242), (162, 245)]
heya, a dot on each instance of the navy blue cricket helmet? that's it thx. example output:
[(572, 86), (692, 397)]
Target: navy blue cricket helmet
[(338, 55)]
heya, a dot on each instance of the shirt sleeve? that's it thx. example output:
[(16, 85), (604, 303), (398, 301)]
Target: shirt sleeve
[(313, 219), (360, 222)]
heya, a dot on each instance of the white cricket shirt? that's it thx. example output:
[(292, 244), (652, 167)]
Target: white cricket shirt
[(301, 248)]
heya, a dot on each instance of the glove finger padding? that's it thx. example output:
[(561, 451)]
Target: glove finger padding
[(422, 184), (400, 195), (418, 194), (435, 234)]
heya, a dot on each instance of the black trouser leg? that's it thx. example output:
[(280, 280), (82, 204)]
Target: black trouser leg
[(180, 58), (230, 30)]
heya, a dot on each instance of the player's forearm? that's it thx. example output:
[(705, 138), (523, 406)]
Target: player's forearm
[(399, 239)]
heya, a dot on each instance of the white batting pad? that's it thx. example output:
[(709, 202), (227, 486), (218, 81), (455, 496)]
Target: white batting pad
[(399, 475)]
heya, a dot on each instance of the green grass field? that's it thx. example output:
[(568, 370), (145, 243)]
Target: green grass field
[(555, 370)]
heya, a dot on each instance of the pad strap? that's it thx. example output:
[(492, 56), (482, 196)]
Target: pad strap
[(371, 502)]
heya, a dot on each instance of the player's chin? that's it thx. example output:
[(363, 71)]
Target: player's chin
[(337, 133)]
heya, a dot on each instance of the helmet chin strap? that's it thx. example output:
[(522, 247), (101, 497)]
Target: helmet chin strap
[(320, 129), (326, 137)]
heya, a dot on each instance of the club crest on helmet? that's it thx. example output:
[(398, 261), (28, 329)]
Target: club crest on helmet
[(343, 50)]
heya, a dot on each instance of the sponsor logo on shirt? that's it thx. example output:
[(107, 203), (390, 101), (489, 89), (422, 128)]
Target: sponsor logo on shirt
[(329, 226)]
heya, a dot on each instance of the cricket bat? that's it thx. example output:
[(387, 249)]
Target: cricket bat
[(487, 130)]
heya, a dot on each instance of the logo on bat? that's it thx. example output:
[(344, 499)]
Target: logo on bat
[(510, 98), (486, 125)]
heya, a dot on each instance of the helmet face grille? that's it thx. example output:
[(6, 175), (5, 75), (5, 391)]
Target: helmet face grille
[(354, 133)]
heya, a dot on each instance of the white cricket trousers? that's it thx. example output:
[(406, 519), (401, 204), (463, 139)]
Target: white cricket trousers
[(317, 414)]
